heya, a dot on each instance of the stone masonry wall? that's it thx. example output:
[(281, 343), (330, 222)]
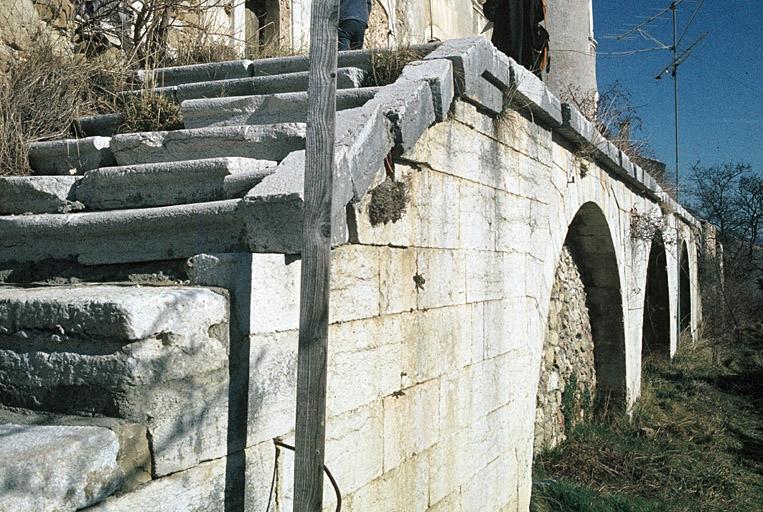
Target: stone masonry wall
[(21, 21), (438, 324), (567, 374)]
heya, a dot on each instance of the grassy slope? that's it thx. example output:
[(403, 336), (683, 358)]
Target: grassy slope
[(695, 442)]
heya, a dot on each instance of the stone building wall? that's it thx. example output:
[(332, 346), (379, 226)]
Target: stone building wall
[(567, 382), (21, 21)]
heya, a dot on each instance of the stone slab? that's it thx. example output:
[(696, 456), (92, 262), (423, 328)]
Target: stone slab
[(234, 483), (57, 468), (471, 58), (170, 183), (103, 125), (37, 194), (364, 137), (347, 78), (167, 77), (576, 127), (262, 142), (277, 207), (527, 90), (121, 314), (134, 457), (155, 356), (125, 236), (70, 156), (410, 108), (290, 107), (438, 73), (354, 58)]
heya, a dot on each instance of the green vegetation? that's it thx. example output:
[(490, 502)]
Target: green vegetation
[(694, 443)]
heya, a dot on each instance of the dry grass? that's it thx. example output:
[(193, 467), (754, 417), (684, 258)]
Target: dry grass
[(387, 64), (272, 49), (40, 97), (201, 50), (149, 112), (695, 442)]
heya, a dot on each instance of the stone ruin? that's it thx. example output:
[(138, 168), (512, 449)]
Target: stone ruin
[(150, 291)]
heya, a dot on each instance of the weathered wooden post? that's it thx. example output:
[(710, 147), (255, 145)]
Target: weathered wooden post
[(316, 255)]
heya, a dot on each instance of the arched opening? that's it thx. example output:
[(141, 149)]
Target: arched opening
[(656, 329), (262, 24), (684, 282), (583, 361)]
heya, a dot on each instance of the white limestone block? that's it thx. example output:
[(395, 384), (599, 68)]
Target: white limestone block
[(445, 273), (397, 267), (57, 468), (404, 487), (354, 283), (484, 276), (436, 341), (203, 488), (478, 222), (365, 361), (411, 422)]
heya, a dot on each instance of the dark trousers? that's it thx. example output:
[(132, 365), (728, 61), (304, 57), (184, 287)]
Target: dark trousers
[(351, 35)]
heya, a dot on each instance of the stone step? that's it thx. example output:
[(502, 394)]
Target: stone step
[(57, 467), (170, 183), (70, 156), (347, 78), (167, 77), (261, 142), (262, 109), (173, 76), (37, 194), (133, 458), (125, 236), (102, 125), (155, 356), (179, 75)]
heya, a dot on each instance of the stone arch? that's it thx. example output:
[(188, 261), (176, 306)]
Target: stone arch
[(583, 359), (684, 283), (656, 325), (590, 243)]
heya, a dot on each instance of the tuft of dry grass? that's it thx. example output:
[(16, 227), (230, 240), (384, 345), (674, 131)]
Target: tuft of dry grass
[(149, 112), (388, 64), (201, 50)]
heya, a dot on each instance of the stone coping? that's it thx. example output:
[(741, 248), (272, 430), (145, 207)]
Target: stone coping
[(492, 81)]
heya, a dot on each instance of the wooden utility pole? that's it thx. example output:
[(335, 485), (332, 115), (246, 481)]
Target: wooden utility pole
[(316, 255)]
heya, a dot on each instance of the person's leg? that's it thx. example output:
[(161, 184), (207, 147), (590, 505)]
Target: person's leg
[(351, 35), (345, 36), (358, 35)]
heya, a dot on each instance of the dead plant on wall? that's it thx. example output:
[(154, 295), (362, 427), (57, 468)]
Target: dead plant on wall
[(646, 226), (616, 118)]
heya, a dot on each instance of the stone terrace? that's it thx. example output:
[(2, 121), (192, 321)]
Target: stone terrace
[(151, 280)]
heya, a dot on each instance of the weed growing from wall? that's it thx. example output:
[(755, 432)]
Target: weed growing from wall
[(388, 202)]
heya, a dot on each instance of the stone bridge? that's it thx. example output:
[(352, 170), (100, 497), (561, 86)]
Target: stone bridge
[(504, 257)]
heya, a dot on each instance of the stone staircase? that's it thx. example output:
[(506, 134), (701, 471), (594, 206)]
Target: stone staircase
[(115, 360)]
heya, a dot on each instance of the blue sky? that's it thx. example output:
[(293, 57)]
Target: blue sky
[(721, 84)]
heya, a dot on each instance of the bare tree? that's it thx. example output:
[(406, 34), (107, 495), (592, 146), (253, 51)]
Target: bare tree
[(143, 27), (730, 196)]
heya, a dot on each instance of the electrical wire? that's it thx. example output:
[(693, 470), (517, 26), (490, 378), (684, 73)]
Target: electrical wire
[(691, 20), (338, 493)]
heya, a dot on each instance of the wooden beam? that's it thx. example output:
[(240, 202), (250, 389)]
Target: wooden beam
[(316, 255)]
